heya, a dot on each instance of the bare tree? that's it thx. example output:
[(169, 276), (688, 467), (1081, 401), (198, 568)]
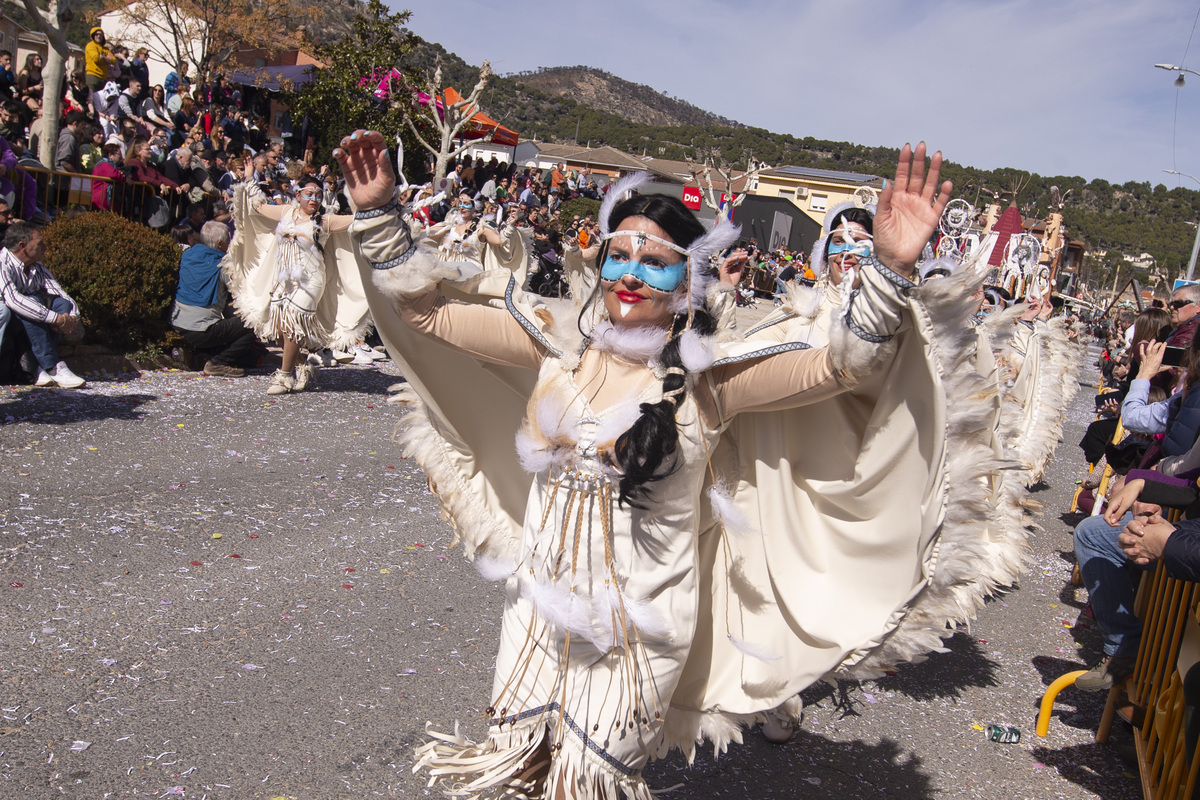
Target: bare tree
[(52, 21), (703, 174), (207, 32), (448, 119)]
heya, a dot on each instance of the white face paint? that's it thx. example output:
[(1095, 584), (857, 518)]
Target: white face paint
[(625, 308)]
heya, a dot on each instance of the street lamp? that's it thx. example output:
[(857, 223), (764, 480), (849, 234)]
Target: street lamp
[(1179, 81), (1195, 244)]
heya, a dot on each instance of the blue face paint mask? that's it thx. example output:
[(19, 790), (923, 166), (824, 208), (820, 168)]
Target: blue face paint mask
[(861, 248), (663, 279)]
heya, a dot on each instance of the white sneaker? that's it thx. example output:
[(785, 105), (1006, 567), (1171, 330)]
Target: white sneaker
[(43, 378), (63, 376), (323, 358), (362, 359), (370, 353), (342, 357)]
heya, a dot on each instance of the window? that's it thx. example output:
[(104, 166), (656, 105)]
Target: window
[(817, 202)]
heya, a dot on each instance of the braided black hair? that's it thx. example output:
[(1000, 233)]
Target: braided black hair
[(645, 453), (319, 216)]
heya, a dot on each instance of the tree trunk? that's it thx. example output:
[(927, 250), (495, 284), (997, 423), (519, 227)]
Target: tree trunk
[(439, 170), (51, 23)]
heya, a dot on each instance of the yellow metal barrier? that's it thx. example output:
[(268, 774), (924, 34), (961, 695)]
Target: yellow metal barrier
[(57, 193)]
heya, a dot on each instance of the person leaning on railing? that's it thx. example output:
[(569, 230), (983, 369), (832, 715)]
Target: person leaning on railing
[(106, 194)]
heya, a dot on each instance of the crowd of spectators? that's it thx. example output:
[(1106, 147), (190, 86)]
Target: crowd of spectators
[(1151, 365), (177, 138)]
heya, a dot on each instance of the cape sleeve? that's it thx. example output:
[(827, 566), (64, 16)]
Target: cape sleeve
[(834, 545), (343, 310), (248, 265), (463, 412)]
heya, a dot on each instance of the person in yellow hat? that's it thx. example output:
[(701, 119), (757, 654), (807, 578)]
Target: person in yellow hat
[(99, 58)]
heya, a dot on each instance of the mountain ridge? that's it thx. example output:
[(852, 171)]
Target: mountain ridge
[(604, 91)]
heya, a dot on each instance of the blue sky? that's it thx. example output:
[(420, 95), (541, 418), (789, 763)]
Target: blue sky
[(1059, 87)]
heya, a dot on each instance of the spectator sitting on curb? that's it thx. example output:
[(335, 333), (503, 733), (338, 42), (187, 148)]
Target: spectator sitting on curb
[(46, 310), (200, 305)]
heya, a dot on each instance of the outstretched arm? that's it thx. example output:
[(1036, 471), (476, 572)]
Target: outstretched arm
[(409, 276), (909, 210)]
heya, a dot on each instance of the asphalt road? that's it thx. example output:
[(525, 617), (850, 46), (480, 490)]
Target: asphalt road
[(209, 593)]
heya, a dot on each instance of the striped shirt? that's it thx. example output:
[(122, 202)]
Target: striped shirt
[(24, 289)]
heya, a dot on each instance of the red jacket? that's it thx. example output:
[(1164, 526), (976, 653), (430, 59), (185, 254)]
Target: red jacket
[(103, 194)]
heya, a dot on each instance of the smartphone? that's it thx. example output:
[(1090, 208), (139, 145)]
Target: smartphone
[(1107, 397), (1173, 356)]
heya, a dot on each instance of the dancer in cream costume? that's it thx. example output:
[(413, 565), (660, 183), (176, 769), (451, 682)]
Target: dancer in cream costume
[(625, 631), (294, 277)]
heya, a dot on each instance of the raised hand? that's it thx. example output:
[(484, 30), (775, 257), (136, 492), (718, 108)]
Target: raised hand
[(370, 179), (909, 210)]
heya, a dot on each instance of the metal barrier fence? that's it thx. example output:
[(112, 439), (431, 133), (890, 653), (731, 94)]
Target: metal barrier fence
[(42, 195)]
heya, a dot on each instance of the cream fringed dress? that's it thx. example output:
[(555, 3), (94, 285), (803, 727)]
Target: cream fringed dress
[(629, 632), (602, 597), (284, 285)]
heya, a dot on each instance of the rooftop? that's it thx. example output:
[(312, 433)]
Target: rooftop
[(822, 174)]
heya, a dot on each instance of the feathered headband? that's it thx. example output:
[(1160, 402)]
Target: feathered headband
[(721, 237), (817, 258)]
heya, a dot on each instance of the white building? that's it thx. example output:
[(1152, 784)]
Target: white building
[(135, 26)]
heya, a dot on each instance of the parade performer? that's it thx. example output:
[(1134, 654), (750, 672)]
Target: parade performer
[(294, 277), (807, 312), (1038, 374), (465, 236), (625, 631)]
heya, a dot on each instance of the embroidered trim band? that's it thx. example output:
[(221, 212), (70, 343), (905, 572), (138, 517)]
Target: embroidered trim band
[(372, 213), (578, 731), (894, 277), (398, 260)]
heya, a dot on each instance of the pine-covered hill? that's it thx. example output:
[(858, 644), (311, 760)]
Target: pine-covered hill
[(1131, 218), (602, 91)]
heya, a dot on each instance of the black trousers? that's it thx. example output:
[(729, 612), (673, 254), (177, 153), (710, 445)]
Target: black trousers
[(230, 338)]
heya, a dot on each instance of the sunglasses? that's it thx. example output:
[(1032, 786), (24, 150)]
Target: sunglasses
[(1178, 304)]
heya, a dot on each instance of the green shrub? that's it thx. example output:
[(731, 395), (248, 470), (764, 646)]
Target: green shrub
[(581, 206), (122, 275)]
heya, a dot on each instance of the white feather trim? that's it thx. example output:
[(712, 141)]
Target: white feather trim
[(695, 351), (854, 357), (616, 193), (721, 237), (551, 601), (535, 456), (732, 518), (494, 569), (754, 651), (637, 344), (982, 545), (420, 273), (649, 623)]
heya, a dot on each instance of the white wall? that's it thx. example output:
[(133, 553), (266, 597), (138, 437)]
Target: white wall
[(120, 29)]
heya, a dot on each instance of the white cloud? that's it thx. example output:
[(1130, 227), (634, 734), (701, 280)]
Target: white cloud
[(1065, 87)]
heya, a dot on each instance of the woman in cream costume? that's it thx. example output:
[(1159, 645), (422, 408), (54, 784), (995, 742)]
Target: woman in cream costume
[(807, 312), (465, 236), (294, 277), (625, 631)]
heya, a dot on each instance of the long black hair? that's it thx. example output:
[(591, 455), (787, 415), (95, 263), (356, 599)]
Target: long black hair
[(319, 216), (645, 453)]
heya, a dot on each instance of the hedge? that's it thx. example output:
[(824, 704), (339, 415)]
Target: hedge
[(122, 275)]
